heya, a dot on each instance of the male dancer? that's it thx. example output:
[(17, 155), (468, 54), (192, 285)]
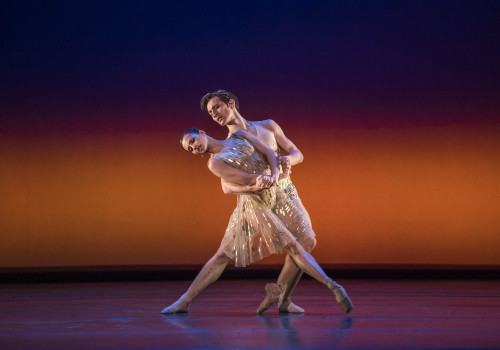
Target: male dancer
[(223, 107)]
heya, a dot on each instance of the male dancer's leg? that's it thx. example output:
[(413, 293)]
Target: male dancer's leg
[(289, 278), (296, 218), (210, 272), (291, 274), (308, 264), (287, 281)]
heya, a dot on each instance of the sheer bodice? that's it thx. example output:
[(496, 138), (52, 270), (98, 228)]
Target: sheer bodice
[(263, 222)]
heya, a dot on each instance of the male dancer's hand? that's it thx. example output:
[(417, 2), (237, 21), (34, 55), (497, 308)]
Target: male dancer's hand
[(285, 164)]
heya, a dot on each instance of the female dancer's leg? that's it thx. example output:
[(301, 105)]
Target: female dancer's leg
[(210, 272)]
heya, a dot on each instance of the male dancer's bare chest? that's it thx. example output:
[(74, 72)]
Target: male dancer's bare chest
[(263, 135)]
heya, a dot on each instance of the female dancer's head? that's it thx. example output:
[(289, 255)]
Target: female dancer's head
[(194, 141)]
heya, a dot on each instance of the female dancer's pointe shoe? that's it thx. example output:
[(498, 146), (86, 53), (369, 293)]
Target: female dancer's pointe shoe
[(176, 308), (290, 307), (273, 292), (340, 295)]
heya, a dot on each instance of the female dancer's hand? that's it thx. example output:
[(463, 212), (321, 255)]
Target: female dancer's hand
[(265, 181), (274, 179)]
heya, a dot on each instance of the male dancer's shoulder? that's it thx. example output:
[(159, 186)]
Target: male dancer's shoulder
[(269, 124)]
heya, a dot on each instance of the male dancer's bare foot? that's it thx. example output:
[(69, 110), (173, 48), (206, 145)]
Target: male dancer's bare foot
[(290, 308), (179, 306)]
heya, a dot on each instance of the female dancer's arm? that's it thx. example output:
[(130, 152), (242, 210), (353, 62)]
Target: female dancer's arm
[(230, 174), (251, 182), (247, 182), (270, 154)]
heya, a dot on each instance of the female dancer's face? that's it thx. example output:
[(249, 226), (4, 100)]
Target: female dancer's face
[(195, 143)]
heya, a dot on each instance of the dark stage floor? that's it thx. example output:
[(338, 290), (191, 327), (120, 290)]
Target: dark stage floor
[(391, 314)]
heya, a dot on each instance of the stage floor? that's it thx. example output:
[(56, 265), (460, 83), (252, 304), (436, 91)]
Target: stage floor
[(388, 314)]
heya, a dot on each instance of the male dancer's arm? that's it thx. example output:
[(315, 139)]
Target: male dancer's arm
[(294, 155), (232, 188)]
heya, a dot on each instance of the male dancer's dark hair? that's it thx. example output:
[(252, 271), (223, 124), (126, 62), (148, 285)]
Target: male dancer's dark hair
[(223, 95)]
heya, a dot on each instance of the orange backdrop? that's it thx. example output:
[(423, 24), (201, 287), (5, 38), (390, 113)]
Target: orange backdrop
[(426, 195)]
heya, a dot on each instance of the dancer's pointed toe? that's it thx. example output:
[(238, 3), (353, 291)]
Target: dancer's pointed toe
[(346, 305), (176, 308), (273, 292), (341, 296)]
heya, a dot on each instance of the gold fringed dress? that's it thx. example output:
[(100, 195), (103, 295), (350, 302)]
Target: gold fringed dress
[(264, 222)]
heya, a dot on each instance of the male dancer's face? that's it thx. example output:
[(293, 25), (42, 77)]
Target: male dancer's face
[(220, 112)]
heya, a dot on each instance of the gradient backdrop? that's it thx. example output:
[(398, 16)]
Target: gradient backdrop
[(395, 105)]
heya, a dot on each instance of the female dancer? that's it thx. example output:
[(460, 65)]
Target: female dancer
[(255, 229)]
